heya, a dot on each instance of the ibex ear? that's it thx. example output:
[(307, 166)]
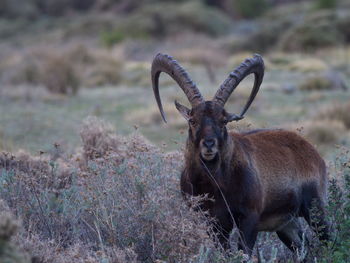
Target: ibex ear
[(185, 112), (233, 117)]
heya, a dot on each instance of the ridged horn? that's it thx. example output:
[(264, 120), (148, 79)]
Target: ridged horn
[(251, 65), (165, 63)]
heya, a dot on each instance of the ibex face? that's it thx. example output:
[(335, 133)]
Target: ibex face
[(207, 119), (207, 128)]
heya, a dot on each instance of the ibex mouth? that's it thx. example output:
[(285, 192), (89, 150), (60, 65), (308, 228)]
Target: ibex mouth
[(208, 156)]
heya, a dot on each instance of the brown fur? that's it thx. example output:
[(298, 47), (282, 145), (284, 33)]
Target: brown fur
[(264, 179)]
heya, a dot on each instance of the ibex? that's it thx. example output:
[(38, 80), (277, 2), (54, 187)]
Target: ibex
[(261, 180)]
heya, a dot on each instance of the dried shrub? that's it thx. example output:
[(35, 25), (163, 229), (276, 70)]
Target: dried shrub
[(9, 252), (56, 71), (151, 116), (106, 70), (98, 139), (281, 59), (322, 132), (20, 68), (59, 75), (338, 112), (324, 81), (62, 71), (308, 65), (123, 203), (316, 83)]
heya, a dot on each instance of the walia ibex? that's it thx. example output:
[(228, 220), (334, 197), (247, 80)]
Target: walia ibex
[(261, 180)]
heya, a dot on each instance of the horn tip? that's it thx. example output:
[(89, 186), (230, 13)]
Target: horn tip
[(259, 57)]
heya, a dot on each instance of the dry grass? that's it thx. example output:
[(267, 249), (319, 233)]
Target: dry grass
[(9, 252), (324, 81), (106, 70), (308, 65), (151, 116), (321, 132), (62, 70), (59, 75), (117, 200), (315, 83), (339, 112)]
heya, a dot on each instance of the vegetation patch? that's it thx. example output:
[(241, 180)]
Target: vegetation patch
[(318, 30), (338, 112), (9, 252), (117, 200)]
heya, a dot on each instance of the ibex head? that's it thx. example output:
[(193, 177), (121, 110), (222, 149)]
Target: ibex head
[(207, 119)]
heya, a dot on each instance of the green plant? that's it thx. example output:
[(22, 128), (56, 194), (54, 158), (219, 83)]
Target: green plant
[(251, 8), (112, 37), (338, 213), (317, 30), (326, 3)]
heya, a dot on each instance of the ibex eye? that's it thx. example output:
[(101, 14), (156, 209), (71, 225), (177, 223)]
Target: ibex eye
[(192, 122), (224, 122)]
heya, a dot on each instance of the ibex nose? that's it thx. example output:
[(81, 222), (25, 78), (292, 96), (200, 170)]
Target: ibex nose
[(209, 143)]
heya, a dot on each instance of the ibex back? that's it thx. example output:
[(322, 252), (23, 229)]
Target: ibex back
[(261, 180)]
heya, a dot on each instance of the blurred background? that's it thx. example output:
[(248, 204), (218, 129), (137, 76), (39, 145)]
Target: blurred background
[(63, 60)]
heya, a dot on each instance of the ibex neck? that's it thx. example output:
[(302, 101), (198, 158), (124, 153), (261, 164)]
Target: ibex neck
[(207, 170)]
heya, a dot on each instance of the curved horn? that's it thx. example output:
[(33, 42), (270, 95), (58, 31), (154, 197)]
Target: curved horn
[(251, 65), (165, 63)]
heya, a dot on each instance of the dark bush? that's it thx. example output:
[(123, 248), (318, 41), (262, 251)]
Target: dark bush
[(158, 21), (250, 8), (337, 248), (326, 3), (14, 9), (318, 30)]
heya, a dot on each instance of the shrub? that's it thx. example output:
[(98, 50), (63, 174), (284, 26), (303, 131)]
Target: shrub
[(308, 65), (326, 81), (98, 139), (153, 21), (326, 3), (9, 253), (63, 71), (117, 200), (322, 132), (9, 9), (338, 213), (343, 25), (126, 200), (148, 117), (105, 71), (318, 30), (59, 75), (56, 71), (316, 83), (338, 112), (250, 8)]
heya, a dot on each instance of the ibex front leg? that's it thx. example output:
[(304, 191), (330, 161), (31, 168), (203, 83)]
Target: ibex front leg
[(247, 226)]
